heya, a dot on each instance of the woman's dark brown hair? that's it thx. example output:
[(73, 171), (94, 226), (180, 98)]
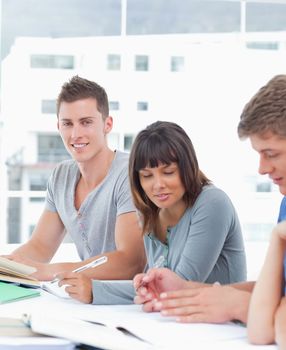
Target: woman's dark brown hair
[(163, 143)]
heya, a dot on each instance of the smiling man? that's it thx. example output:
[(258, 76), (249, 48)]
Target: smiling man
[(88, 197)]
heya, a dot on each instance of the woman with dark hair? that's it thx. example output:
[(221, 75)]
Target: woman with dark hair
[(189, 225)]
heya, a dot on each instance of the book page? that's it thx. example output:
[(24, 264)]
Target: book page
[(14, 268)]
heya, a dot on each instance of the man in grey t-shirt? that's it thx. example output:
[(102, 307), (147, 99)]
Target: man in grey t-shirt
[(88, 197)]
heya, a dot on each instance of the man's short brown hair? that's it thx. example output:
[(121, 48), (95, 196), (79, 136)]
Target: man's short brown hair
[(79, 88), (266, 110)]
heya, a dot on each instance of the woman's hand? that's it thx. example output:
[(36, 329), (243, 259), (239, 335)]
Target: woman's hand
[(150, 285)]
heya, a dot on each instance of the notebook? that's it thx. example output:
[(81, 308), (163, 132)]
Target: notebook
[(12, 271), (10, 292)]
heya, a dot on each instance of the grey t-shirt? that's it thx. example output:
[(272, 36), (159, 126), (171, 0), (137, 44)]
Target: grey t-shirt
[(206, 245), (92, 226)]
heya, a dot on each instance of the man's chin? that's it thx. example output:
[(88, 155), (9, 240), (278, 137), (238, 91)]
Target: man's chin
[(282, 190)]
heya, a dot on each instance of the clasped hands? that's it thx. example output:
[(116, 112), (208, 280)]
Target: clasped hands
[(163, 290)]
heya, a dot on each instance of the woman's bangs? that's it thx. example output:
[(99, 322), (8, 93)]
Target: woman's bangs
[(151, 155)]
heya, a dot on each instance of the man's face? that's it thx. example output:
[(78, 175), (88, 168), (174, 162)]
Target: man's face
[(83, 129), (272, 153)]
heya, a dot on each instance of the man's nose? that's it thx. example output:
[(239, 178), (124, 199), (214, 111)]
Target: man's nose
[(265, 166), (76, 131)]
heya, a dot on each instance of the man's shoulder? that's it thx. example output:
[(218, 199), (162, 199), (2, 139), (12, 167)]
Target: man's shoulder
[(121, 161), (64, 166), (282, 211), (122, 157)]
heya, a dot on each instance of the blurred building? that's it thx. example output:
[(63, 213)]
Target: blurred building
[(200, 81)]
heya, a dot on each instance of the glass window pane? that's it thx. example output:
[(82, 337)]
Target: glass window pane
[(128, 140), (141, 63), (177, 64), (142, 106), (51, 149), (265, 17), (52, 61), (114, 105), (14, 220), (173, 16), (113, 62), (49, 107)]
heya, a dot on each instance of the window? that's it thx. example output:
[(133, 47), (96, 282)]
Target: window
[(128, 140), (114, 105), (52, 61), (257, 231), (177, 63), (141, 63), (38, 182), (49, 107), (51, 149), (262, 45), (264, 186), (113, 62), (14, 215), (142, 106)]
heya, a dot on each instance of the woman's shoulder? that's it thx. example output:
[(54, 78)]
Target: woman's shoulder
[(211, 190), (212, 194)]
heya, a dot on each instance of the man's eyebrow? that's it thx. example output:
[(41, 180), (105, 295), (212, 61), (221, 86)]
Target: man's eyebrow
[(80, 119)]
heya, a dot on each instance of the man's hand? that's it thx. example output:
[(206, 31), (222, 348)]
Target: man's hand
[(215, 304), (150, 285), (78, 287)]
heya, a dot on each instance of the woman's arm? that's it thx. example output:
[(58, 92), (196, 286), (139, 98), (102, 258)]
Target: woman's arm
[(266, 295), (214, 248)]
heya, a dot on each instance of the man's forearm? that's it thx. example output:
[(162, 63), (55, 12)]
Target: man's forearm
[(244, 286), (33, 252)]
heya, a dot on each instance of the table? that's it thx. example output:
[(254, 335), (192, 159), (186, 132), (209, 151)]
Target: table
[(97, 325)]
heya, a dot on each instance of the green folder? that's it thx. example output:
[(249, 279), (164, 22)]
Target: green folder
[(10, 292)]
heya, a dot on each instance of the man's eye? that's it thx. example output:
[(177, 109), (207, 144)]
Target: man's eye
[(272, 155)]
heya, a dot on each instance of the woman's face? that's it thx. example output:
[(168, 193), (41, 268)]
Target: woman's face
[(162, 185)]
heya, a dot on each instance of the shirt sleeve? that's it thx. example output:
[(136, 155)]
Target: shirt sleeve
[(124, 198), (213, 222), (282, 211), (50, 203), (119, 292)]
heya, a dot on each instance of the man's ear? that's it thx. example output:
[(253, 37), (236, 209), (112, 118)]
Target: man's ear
[(108, 124)]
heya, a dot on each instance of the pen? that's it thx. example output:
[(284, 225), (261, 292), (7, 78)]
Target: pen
[(158, 263), (94, 263)]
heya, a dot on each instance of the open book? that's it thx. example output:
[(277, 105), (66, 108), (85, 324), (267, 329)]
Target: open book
[(124, 327), (12, 271)]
